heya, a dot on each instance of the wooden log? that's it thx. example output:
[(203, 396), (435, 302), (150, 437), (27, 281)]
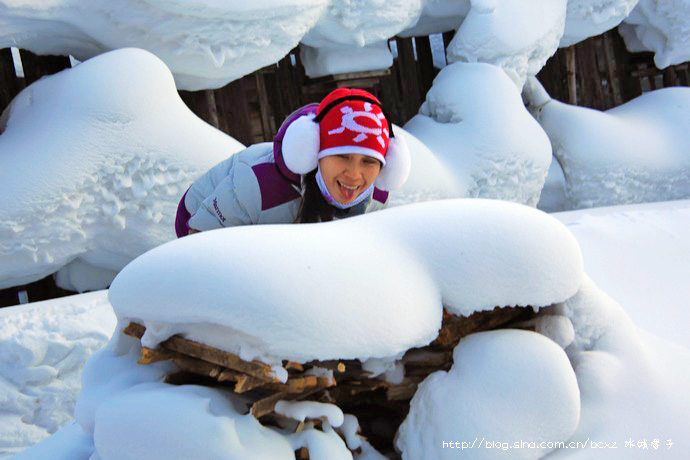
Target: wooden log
[(246, 383), (222, 358), (265, 406), (403, 391), (455, 327), (293, 366), (212, 355), (134, 330), (151, 355), (336, 365), (197, 366), (426, 357)]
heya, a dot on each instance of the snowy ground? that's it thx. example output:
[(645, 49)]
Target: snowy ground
[(637, 254)]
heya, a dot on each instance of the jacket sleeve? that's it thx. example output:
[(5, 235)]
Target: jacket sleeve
[(236, 200)]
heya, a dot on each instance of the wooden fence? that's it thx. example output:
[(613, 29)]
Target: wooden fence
[(598, 73)]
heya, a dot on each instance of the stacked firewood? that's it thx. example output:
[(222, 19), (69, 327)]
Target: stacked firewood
[(341, 382)]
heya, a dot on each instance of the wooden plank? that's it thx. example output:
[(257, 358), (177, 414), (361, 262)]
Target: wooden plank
[(553, 76), (265, 406), (409, 84), (199, 367), (455, 327), (630, 85), (154, 355), (233, 112), (571, 74), (447, 38), (203, 104), (403, 391), (246, 383), (294, 75), (600, 79), (210, 354), (36, 66), (425, 65), (267, 126), (614, 75), (9, 83), (222, 358), (670, 78)]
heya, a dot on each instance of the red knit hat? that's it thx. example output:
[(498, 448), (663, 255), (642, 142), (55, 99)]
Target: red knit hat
[(348, 121)]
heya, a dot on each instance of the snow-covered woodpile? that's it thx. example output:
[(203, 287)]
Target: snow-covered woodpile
[(341, 382)]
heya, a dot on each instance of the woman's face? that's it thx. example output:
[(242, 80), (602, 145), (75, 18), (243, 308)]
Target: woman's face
[(348, 175)]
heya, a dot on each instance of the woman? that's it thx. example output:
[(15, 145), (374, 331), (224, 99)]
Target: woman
[(329, 161)]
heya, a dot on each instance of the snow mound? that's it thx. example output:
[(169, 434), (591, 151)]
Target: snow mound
[(304, 292), (476, 124), (353, 36), (438, 16), (93, 162), (505, 386), (125, 404), (615, 241), (661, 26), (429, 179), (43, 347), (588, 18), (517, 36), (634, 153), (158, 408), (206, 43), (633, 386)]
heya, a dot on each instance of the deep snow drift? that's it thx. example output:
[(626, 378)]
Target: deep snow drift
[(222, 299), (517, 36), (206, 43), (588, 18), (43, 348), (93, 162), (485, 143), (353, 36), (633, 153), (607, 351), (661, 26), (638, 255)]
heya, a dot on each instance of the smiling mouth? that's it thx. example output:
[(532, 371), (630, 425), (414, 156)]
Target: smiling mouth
[(349, 192)]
